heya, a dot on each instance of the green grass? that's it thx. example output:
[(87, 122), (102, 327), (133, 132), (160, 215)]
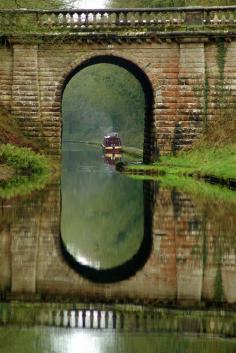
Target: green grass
[(24, 160), (132, 154), (22, 185), (194, 187), (32, 171), (219, 162)]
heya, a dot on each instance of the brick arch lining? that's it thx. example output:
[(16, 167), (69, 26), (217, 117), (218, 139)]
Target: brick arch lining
[(149, 153)]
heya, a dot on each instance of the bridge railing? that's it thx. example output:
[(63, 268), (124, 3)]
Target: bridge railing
[(75, 20)]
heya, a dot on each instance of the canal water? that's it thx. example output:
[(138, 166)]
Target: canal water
[(99, 261)]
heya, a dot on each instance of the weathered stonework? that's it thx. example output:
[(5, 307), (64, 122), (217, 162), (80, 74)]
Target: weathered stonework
[(184, 61), (33, 78), (6, 63)]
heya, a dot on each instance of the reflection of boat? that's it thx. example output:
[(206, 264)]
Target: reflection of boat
[(112, 143), (112, 158)]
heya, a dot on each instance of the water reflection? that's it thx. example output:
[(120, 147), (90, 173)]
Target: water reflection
[(102, 217), (40, 340), (112, 159), (193, 247)]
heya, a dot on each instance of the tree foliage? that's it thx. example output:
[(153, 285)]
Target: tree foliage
[(100, 99), (167, 3), (38, 4)]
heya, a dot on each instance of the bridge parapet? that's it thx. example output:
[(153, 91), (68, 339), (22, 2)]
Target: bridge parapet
[(190, 19)]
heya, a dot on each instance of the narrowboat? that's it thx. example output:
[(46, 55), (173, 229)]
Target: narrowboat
[(112, 143), (112, 159)]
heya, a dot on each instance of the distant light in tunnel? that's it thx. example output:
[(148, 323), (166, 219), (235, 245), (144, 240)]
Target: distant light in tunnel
[(90, 4), (86, 342)]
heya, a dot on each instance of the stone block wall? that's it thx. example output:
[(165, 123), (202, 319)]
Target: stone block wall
[(188, 85), (6, 65)]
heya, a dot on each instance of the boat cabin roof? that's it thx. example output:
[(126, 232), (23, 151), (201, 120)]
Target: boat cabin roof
[(112, 134)]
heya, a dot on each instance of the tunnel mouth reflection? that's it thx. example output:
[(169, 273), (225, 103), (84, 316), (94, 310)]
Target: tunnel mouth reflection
[(115, 274), (106, 217)]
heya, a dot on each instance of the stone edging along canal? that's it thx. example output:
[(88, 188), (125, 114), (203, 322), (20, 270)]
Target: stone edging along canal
[(120, 317)]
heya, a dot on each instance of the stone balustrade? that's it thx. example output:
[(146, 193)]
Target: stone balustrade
[(184, 19), (210, 322)]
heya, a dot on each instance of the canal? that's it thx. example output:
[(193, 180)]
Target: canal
[(100, 262)]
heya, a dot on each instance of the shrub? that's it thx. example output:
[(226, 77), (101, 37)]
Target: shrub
[(23, 159)]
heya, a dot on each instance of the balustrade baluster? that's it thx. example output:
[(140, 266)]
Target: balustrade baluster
[(152, 18), (80, 319), (227, 17), (95, 319), (137, 322), (177, 18), (94, 18), (102, 19), (103, 319), (49, 21), (74, 20), (114, 320), (83, 318), (131, 19), (206, 17), (233, 16), (76, 318), (99, 317), (122, 321), (125, 18), (63, 20), (140, 18), (90, 19), (106, 319), (171, 16), (69, 20), (148, 18), (85, 19), (109, 19), (117, 18), (222, 18), (79, 20), (97, 19), (183, 16), (128, 18), (215, 19)]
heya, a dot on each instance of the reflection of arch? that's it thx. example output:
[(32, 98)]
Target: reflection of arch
[(130, 267), (140, 75)]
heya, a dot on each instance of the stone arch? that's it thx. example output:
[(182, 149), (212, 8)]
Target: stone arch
[(134, 68)]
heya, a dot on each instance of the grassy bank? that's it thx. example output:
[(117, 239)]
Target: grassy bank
[(212, 157), (203, 162), (132, 154), (23, 160), (198, 188), (22, 168)]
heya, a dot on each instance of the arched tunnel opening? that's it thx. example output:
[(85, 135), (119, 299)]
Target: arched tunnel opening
[(109, 94), (105, 217)]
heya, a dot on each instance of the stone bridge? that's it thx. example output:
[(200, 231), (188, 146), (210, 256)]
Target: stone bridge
[(184, 58)]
